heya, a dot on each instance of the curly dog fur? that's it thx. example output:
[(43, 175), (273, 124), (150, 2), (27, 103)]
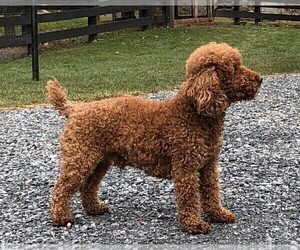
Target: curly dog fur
[(178, 138)]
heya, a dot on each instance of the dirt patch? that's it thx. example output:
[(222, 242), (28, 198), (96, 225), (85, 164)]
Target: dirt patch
[(13, 53), (193, 22)]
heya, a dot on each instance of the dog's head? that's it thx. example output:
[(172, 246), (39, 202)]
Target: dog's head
[(216, 78)]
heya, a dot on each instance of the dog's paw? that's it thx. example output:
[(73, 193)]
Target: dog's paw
[(97, 210), (66, 221), (222, 216), (196, 227)]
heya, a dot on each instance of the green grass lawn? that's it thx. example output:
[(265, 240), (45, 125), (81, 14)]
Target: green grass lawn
[(130, 62)]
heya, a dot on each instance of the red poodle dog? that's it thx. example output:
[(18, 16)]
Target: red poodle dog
[(179, 138)]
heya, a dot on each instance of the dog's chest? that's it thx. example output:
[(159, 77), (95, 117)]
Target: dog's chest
[(206, 138)]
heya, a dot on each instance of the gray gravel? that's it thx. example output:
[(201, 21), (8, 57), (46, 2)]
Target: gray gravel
[(260, 180)]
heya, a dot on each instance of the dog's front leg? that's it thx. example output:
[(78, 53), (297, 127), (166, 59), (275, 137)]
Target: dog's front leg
[(211, 196), (186, 187)]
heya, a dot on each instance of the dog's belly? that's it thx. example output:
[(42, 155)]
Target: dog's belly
[(160, 168)]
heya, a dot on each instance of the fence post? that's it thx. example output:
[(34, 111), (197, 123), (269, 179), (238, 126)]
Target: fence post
[(236, 7), (152, 14), (9, 30), (143, 13), (195, 8), (170, 10), (150, 11), (92, 20), (34, 44), (26, 29), (257, 11), (176, 12), (210, 10)]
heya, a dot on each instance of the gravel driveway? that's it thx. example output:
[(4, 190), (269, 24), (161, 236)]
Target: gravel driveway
[(259, 178)]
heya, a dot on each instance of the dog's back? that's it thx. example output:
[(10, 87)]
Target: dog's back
[(120, 127)]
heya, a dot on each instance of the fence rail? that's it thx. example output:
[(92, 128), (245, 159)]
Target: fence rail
[(148, 18)]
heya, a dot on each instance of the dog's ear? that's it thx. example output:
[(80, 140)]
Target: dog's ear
[(205, 93)]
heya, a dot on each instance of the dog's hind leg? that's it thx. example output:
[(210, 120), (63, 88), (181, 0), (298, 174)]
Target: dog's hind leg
[(77, 164), (89, 192)]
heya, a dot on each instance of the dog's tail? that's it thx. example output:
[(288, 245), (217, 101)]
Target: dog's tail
[(56, 95)]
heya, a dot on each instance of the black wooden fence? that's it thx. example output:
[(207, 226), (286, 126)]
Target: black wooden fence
[(28, 19), (237, 14)]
